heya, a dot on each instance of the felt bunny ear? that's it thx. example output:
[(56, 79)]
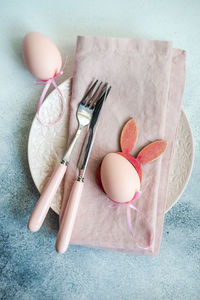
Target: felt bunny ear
[(129, 136), (151, 152)]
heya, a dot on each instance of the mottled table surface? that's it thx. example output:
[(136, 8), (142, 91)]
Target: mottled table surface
[(30, 267)]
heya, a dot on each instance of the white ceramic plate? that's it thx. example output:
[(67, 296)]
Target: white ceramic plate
[(47, 145)]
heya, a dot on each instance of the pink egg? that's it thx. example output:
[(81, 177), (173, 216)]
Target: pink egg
[(119, 178), (41, 56)]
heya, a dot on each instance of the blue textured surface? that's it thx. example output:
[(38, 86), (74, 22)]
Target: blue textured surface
[(30, 267)]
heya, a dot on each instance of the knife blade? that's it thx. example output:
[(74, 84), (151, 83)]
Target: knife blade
[(85, 154), (69, 216)]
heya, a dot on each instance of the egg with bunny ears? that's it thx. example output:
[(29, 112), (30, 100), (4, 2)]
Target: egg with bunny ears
[(119, 174)]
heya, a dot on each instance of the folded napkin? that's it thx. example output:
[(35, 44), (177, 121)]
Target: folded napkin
[(147, 79)]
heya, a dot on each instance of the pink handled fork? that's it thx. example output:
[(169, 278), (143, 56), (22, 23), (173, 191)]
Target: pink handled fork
[(84, 116)]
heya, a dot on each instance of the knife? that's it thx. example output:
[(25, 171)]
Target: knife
[(69, 216)]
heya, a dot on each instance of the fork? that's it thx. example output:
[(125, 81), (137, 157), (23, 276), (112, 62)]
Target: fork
[(70, 212), (84, 116)]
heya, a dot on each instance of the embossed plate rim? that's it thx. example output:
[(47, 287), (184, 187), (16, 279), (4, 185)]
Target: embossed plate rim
[(187, 128), (183, 115)]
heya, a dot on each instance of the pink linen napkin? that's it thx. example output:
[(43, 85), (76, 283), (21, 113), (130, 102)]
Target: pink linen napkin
[(147, 79)]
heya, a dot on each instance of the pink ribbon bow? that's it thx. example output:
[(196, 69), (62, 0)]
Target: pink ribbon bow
[(131, 206), (130, 226), (47, 83)]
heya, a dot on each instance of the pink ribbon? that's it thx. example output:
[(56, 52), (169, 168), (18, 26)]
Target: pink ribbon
[(47, 83), (130, 226)]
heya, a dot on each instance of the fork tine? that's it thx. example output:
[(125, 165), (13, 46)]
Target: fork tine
[(99, 104), (105, 93), (85, 97), (94, 96), (98, 98), (104, 89)]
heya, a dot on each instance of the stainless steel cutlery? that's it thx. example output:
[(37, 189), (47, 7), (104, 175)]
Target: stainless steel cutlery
[(69, 216), (87, 115)]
